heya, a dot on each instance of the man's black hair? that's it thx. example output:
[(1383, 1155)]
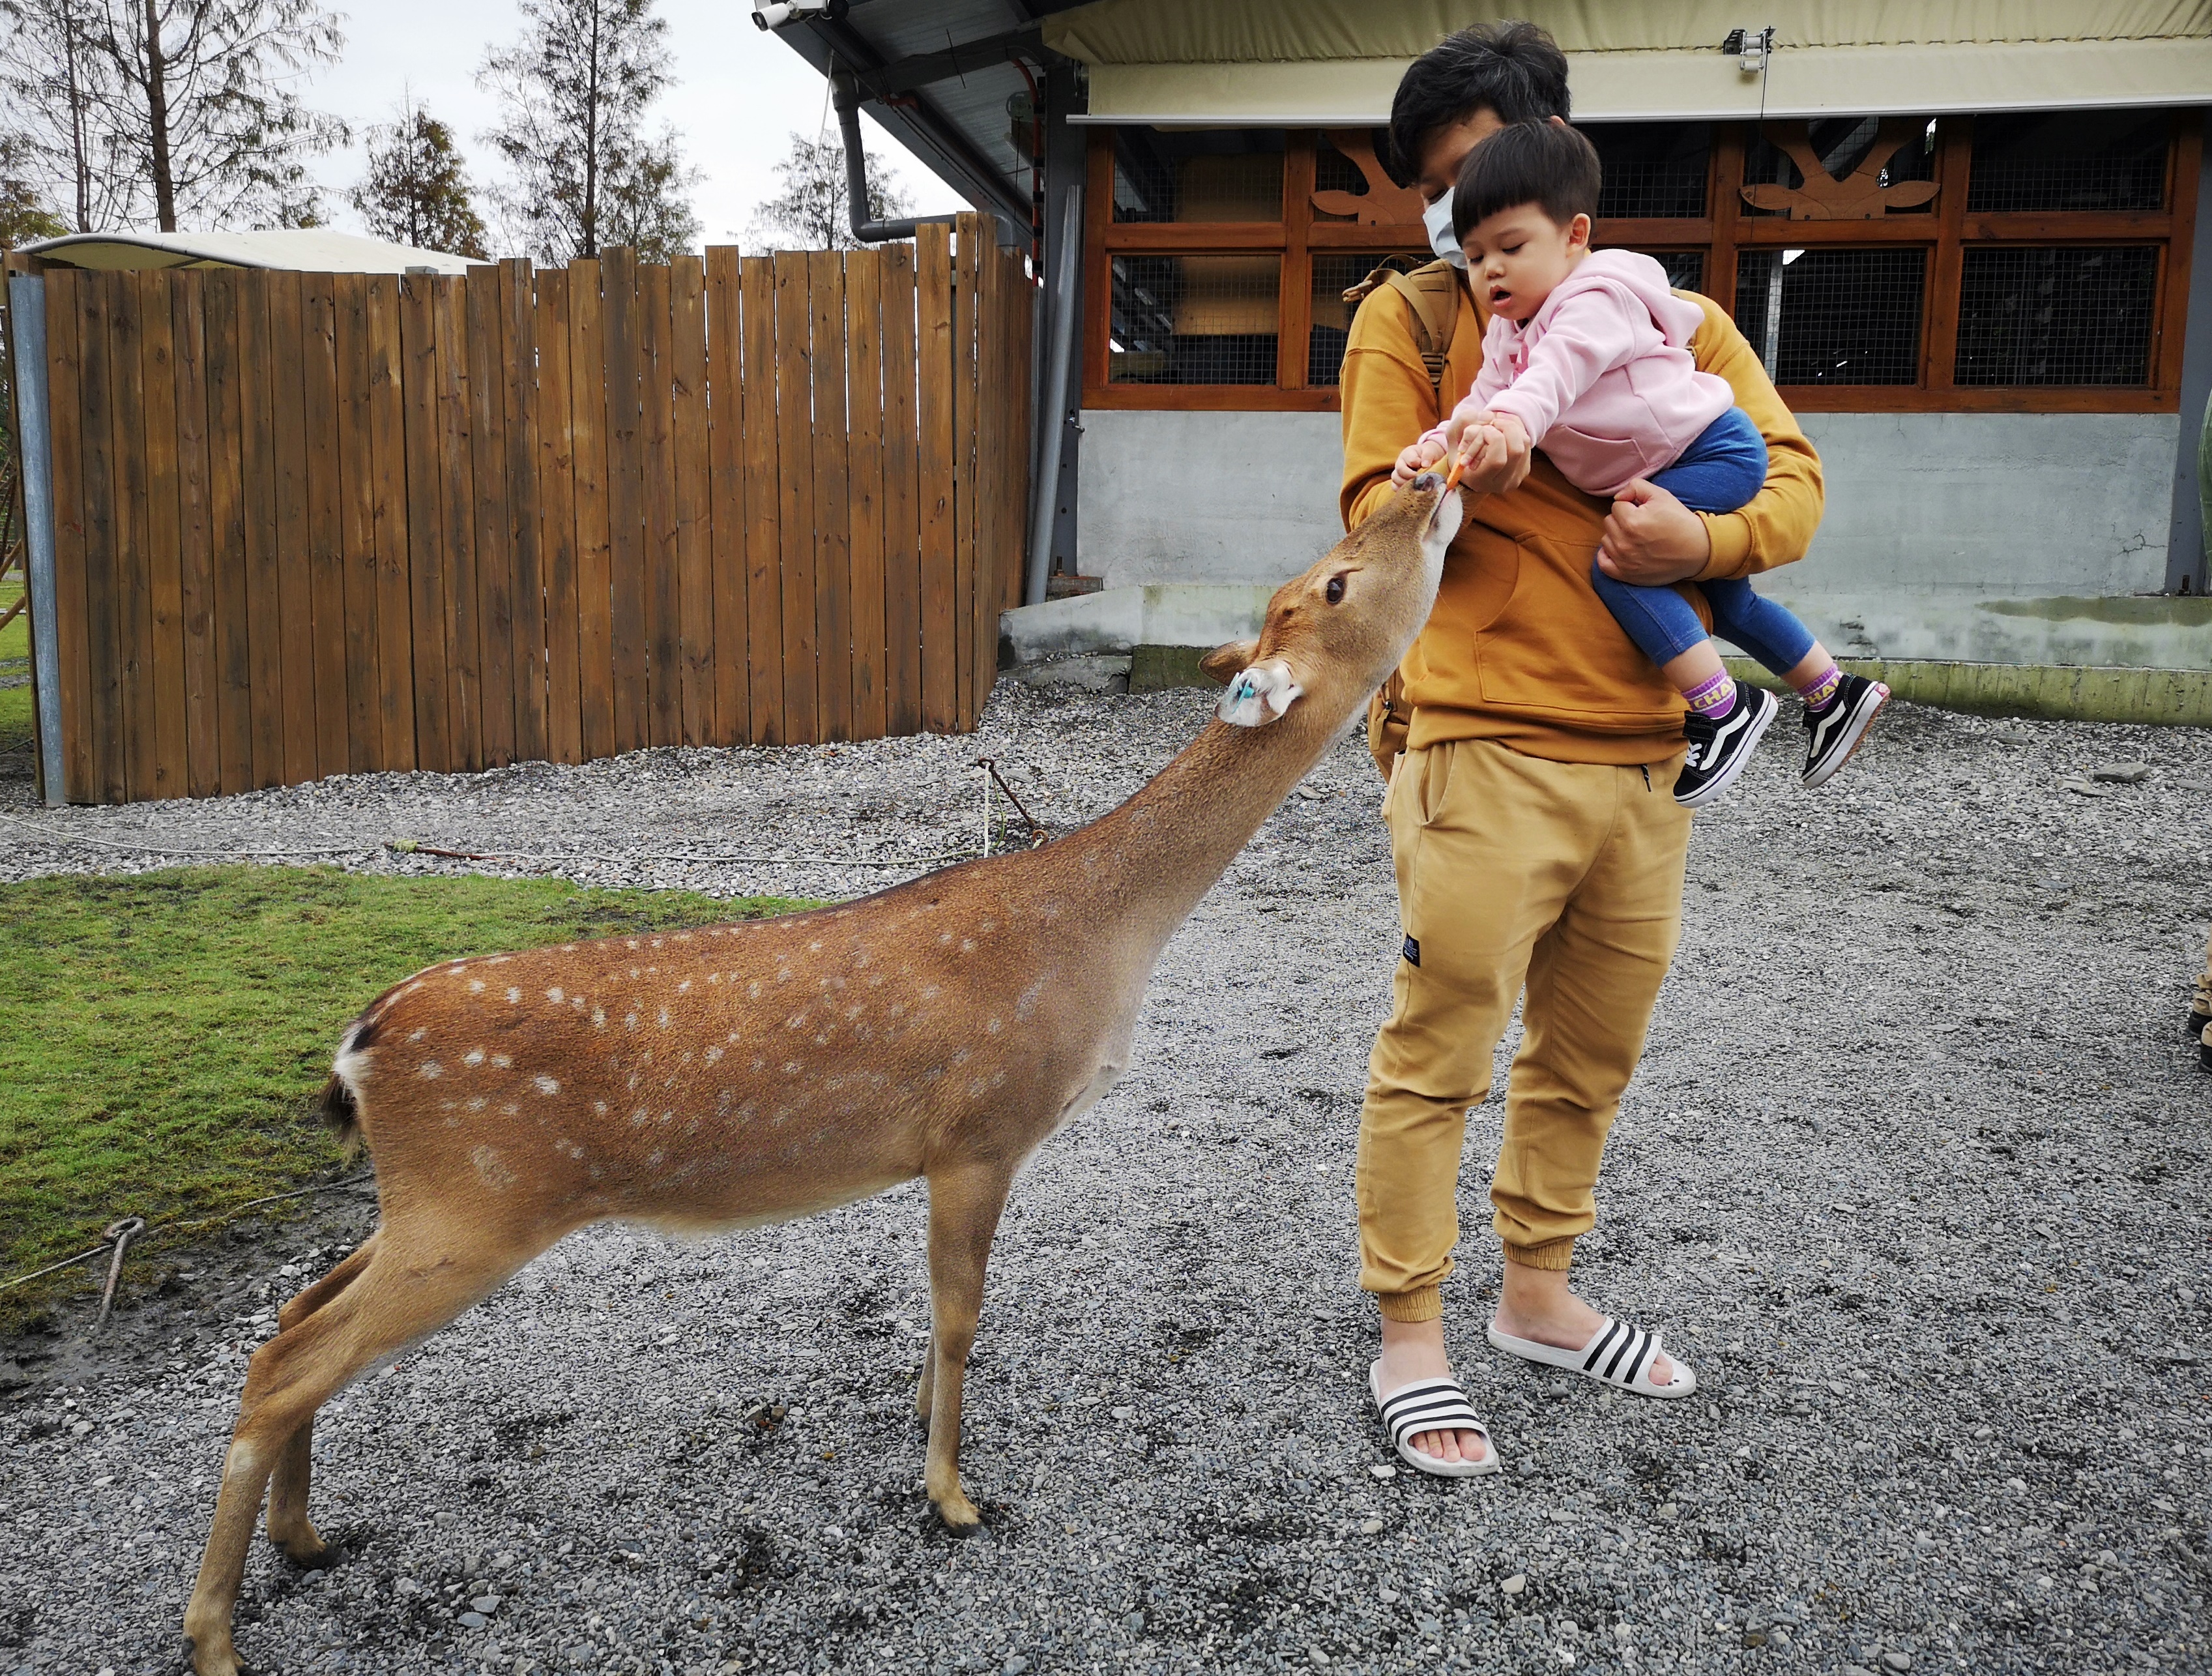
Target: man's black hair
[(1545, 163), (1516, 69)]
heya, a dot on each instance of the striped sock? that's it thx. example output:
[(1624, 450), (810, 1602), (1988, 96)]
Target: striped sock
[(1822, 687), (1714, 696)]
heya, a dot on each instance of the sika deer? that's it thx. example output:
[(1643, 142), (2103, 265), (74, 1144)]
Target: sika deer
[(747, 1074)]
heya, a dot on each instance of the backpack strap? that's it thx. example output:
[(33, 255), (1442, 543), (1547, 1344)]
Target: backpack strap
[(1433, 297)]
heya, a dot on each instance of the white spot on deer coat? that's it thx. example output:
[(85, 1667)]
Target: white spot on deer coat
[(431, 1070), (513, 996), (503, 1061), (474, 1056), (476, 986), (545, 1085), (491, 1169), (556, 996)]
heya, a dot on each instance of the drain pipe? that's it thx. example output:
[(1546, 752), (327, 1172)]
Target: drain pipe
[(847, 96), (1052, 407)]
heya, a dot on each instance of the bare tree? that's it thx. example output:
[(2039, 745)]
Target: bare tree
[(173, 110), (59, 80), (573, 95), (809, 213), (416, 192)]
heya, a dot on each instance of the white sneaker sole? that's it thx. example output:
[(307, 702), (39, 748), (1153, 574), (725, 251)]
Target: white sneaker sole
[(1854, 729)]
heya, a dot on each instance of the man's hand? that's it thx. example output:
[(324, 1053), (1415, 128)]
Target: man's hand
[(1652, 539)]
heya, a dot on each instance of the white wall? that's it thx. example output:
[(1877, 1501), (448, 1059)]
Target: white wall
[(1992, 537)]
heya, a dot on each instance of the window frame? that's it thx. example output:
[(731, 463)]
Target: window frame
[(1946, 231)]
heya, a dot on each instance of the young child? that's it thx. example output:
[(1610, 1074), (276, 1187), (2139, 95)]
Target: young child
[(1587, 356)]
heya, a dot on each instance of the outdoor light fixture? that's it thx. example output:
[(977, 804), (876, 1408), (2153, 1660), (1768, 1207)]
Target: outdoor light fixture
[(774, 14), (1751, 47)]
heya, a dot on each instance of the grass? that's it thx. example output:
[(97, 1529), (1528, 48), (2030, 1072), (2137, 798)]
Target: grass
[(163, 1037), (15, 701)]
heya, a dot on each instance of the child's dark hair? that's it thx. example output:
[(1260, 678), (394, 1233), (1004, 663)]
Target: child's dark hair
[(1545, 163), (1516, 70)]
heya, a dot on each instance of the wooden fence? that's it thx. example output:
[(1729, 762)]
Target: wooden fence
[(306, 524)]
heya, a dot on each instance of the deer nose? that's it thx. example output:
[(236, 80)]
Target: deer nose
[(1429, 480)]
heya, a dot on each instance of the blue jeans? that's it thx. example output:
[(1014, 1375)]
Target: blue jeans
[(1719, 471)]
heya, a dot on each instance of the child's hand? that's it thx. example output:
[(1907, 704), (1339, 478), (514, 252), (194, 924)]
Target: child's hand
[(1496, 456), (1418, 458), (1460, 420)]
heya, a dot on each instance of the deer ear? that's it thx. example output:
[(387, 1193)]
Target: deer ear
[(1224, 662), (1260, 695)]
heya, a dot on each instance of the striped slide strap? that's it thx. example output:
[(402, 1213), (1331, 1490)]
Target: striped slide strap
[(1431, 1405)]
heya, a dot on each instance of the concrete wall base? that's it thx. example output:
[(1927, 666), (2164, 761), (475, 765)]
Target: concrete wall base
[(2178, 697)]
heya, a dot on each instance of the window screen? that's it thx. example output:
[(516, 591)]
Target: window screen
[(1332, 275), (2071, 315), (1194, 319), (1206, 174), (1833, 316), (1841, 144), (1652, 169), (2068, 160), (1686, 269)]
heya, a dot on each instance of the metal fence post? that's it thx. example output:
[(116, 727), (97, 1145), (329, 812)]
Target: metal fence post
[(26, 313)]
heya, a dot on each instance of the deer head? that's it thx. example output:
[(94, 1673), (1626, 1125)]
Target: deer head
[(1333, 635)]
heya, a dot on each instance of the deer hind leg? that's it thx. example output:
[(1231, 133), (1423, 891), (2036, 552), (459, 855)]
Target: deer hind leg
[(289, 1527), (964, 1206), (397, 1298)]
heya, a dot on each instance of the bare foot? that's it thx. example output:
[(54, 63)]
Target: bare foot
[(1413, 1351), (1536, 1303)]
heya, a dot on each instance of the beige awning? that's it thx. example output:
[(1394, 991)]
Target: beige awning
[(1323, 62)]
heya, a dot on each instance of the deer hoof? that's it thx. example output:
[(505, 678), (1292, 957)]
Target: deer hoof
[(959, 1517), (216, 1657), (309, 1553)]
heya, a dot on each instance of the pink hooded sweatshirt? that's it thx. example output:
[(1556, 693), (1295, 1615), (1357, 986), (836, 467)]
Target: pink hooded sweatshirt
[(1600, 375)]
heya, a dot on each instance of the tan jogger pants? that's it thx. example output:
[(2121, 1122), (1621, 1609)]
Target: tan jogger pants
[(1566, 877)]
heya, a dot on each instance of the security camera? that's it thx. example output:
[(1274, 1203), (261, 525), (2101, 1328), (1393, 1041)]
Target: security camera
[(774, 14)]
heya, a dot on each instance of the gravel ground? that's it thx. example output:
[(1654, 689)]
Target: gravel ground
[(1915, 1174)]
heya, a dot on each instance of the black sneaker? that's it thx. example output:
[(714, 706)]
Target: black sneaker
[(1721, 746), (2197, 1021), (1838, 726)]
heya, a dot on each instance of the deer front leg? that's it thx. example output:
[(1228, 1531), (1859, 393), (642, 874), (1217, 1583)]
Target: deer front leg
[(963, 1215)]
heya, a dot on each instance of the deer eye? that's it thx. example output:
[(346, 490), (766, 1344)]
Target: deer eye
[(1335, 590)]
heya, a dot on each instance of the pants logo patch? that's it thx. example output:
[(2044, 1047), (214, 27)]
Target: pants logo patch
[(1413, 951)]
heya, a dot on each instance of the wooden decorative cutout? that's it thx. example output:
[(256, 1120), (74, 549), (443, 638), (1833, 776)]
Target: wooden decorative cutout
[(1384, 203), (1860, 195)]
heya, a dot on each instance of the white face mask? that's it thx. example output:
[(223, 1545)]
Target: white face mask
[(1438, 218)]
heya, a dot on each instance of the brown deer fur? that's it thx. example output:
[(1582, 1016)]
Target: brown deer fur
[(751, 1073)]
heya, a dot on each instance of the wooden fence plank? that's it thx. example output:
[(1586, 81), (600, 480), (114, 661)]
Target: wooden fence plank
[(494, 548), (356, 491), (326, 555), (901, 504), (966, 243), (726, 491), (296, 604), (526, 589), (386, 467), (940, 704), (687, 330), (161, 745), (430, 679), (187, 305), (588, 374), (622, 319), (795, 501), (220, 307), (72, 626), (864, 424), (257, 359), (134, 571), (96, 408), (457, 513), (556, 511), (663, 578), (832, 564), (765, 720)]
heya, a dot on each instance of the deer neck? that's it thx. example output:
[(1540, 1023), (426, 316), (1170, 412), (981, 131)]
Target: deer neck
[(1143, 868)]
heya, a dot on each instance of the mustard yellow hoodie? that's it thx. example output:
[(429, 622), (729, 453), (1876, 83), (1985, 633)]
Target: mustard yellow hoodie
[(1519, 649)]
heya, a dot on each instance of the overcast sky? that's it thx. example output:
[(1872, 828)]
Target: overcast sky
[(740, 95)]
